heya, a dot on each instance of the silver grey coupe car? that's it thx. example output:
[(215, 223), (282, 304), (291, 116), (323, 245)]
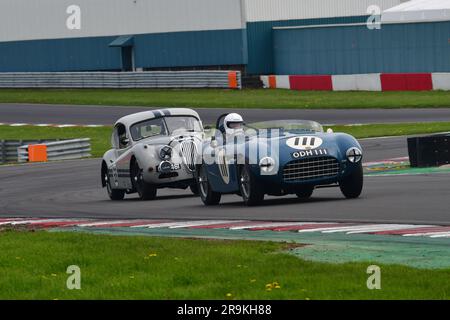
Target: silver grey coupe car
[(152, 150)]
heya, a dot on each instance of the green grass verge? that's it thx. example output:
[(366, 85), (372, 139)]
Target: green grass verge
[(33, 266), (212, 98), (100, 137)]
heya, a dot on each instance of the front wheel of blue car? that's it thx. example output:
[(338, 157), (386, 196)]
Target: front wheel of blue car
[(351, 186), (252, 194), (209, 197)]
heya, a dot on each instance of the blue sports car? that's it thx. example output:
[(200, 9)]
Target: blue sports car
[(278, 158)]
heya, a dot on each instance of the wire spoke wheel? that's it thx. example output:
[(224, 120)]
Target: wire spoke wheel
[(252, 193), (245, 183), (208, 196), (203, 182), (114, 194), (145, 190)]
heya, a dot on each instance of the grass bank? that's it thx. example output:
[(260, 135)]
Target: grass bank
[(33, 266), (100, 137), (215, 98)]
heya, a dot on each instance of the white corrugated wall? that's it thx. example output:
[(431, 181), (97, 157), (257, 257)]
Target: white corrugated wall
[(46, 19), (271, 10)]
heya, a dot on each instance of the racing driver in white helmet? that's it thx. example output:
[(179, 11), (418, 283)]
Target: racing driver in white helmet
[(234, 124)]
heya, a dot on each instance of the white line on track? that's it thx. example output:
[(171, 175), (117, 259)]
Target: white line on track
[(271, 225), (101, 223)]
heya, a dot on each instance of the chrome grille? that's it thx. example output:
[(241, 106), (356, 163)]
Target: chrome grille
[(311, 168), (189, 153)]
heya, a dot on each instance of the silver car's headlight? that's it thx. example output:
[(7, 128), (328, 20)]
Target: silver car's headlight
[(267, 164), (165, 153), (354, 155)]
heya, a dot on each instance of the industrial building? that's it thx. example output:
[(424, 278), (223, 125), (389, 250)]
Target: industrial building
[(255, 36)]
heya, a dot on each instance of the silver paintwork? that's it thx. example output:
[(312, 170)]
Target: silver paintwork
[(146, 152)]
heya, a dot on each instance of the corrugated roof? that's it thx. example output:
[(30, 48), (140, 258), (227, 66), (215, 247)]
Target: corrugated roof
[(418, 11)]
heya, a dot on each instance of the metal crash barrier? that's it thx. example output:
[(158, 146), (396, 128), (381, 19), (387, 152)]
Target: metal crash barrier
[(144, 79), (53, 151), (8, 148), (43, 150)]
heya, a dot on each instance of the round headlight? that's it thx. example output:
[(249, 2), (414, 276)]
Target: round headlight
[(165, 153), (267, 164), (354, 155)]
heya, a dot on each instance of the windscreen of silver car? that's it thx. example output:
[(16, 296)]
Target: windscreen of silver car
[(150, 128), (179, 123)]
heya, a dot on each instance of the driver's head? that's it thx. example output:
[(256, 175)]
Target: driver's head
[(233, 123)]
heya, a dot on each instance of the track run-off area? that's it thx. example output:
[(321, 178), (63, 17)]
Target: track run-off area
[(107, 115), (71, 189)]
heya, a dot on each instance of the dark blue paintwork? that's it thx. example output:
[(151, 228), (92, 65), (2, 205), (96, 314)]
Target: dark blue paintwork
[(336, 145)]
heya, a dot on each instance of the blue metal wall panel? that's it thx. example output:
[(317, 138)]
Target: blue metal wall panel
[(80, 54), (410, 47), (260, 39), (185, 49), (178, 49)]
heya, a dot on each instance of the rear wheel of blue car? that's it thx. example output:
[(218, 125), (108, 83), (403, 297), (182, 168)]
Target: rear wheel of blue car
[(249, 189), (351, 186), (145, 190), (209, 197)]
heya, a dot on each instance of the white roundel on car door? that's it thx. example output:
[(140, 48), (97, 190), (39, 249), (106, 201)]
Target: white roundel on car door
[(304, 142), (223, 166)]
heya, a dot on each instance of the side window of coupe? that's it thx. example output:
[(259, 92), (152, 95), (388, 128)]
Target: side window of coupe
[(119, 138)]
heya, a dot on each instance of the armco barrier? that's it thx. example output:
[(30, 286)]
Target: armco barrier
[(361, 82), (153, 79), (8, 148), (59, 150)]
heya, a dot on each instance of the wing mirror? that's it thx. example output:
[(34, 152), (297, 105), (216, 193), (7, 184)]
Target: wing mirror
[(124, 141), (214, 143)]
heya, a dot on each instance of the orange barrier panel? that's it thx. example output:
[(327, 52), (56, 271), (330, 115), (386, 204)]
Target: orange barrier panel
[(232, 80), (37, 153), (272, 82)]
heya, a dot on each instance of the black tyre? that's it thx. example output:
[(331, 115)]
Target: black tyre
[(352, 185), (305, 193), (194, 189), (252, 194), (209, 197), (145, 190), (114, 194)]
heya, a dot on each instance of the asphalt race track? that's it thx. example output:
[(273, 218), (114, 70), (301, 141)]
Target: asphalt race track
[(72, 189), (63, 114)]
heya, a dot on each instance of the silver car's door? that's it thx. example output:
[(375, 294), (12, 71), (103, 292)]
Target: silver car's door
[(122, 160)]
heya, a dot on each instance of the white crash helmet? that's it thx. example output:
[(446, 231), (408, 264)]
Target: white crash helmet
[(233, 123)]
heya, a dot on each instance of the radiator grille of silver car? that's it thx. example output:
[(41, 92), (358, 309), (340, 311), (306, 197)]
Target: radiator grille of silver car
[(311, 168), (189, 153)]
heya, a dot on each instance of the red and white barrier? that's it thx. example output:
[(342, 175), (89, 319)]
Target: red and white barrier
[(361, 82)]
